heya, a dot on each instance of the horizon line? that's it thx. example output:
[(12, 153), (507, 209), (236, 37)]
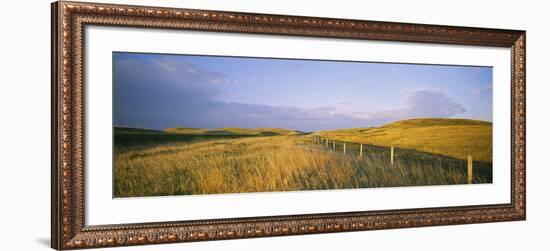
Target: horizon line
[(290, 129)]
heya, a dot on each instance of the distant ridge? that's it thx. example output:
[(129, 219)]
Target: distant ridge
[(436, 122), (234, 131), (122, 129)]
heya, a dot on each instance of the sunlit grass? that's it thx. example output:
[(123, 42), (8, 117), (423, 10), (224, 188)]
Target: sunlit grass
[(263, 164), (456, 138)]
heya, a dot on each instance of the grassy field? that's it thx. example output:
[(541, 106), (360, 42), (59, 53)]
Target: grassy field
[(456, 138), (138, 138), (179, 161)]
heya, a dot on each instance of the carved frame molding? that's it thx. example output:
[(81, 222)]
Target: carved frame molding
[(68, 225)]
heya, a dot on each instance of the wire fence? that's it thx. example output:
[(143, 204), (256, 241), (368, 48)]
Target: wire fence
[(393, 154)]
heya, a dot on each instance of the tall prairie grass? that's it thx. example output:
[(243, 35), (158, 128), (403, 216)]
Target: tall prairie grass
[(263, 164)]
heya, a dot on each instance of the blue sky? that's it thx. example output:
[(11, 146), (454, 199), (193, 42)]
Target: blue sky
[(160, 91)]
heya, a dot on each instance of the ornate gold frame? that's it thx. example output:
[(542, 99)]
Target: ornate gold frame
[(68, 228)]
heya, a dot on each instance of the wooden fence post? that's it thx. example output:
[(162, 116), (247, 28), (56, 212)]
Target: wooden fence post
[(360, 150), (334, 145), (344, 148), (326, 143), (470, 169), (391, 155)]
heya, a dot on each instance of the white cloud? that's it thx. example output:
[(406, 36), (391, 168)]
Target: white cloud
[(177, 93), (415, 104), (483, 90)]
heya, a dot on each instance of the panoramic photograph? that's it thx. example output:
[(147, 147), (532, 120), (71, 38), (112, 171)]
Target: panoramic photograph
[(198, 124)]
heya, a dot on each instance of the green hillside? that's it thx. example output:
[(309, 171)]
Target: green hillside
[(132, 130)]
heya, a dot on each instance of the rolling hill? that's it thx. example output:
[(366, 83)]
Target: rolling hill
[(235, 131), (451, 137), (134, 130)]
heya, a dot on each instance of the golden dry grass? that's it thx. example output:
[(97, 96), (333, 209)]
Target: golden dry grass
[(262, 164), (456, 138)]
